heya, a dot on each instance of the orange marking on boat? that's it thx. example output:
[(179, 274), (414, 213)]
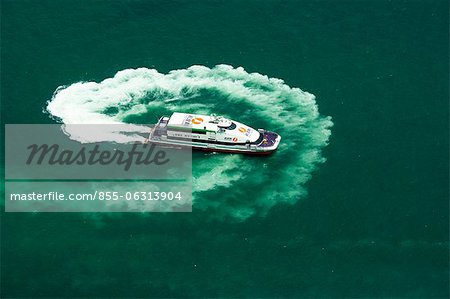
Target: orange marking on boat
[(197, 120)]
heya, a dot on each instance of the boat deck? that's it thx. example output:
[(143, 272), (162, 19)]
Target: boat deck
[(269, 139), (160, 128)]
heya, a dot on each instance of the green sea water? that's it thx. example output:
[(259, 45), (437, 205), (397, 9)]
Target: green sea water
[(354, 204)]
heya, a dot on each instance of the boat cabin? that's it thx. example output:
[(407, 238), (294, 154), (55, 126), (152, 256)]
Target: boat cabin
[(206, 128)]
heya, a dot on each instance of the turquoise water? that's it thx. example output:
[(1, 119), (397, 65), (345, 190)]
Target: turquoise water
[(354, 203)]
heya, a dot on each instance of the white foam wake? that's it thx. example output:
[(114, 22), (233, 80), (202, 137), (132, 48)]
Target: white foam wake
[(140, 96)]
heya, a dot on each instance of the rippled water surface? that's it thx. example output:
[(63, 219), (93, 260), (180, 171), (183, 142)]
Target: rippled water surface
[(353, 204)]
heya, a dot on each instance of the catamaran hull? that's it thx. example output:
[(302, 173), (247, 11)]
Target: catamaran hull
[(213, 149), (230, 151)]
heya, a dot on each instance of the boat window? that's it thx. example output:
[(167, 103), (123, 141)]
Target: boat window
[(188, 130), (259, 140), (198, 131), (232, 126)]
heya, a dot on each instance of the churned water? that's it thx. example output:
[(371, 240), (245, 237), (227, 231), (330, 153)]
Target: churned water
[(142, 95)]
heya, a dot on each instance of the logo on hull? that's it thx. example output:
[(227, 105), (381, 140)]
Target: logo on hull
[(197, 120)]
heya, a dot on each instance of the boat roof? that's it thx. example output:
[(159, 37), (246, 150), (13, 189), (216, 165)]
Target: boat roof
[(196, 121), (233, 130)]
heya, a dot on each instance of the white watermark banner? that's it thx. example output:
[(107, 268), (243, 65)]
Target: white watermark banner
[(94, 168)]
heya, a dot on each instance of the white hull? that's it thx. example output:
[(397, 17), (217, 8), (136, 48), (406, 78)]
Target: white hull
[(252, 149)]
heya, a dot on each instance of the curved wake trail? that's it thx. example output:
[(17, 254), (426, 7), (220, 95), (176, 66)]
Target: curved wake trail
[(247, 185)]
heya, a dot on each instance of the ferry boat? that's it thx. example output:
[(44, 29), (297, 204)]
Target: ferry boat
[(212, 133)]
